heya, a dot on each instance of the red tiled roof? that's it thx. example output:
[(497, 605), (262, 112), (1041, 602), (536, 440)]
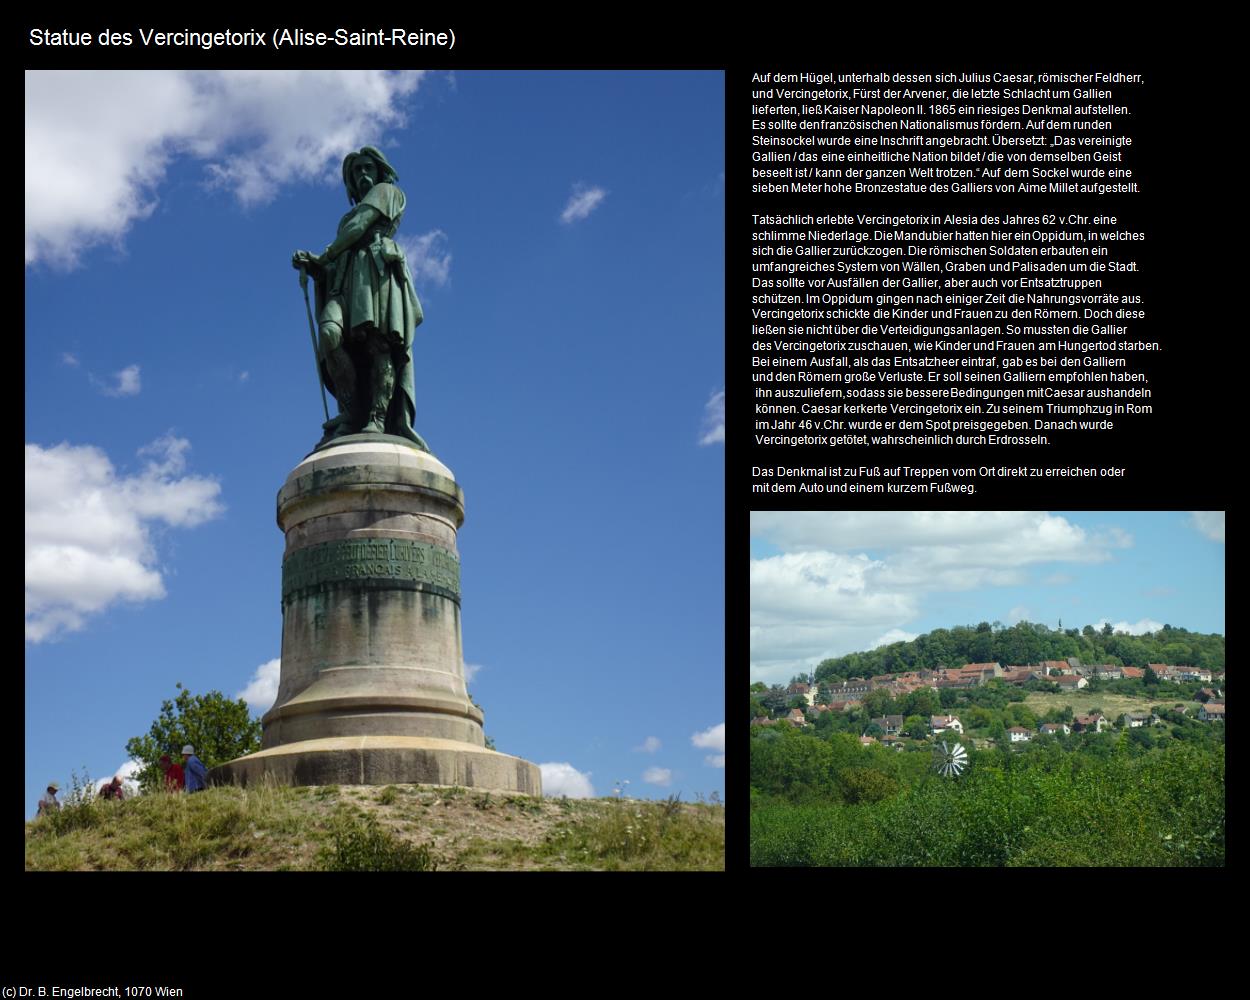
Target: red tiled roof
[(1132, 672)]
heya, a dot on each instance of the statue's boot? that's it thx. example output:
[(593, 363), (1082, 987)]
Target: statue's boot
[(344, 374), (383, 390)]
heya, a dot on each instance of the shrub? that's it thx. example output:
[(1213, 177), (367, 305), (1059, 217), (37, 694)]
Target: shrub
[(363, 846)]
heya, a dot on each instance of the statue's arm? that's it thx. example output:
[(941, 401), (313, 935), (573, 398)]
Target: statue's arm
[(353, 230)]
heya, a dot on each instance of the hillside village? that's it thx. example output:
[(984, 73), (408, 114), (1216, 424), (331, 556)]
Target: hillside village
[(806, 702)]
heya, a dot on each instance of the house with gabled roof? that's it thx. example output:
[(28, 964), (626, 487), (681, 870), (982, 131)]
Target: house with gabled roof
[(1212, 711), (1018, 734), (1087, 723), (796, 717), (942, 723), (891, 725), (1070, 682), (1055, 728), (1131, 673), (1135, 720)]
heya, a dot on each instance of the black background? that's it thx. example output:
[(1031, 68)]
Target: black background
[(1176, 458)]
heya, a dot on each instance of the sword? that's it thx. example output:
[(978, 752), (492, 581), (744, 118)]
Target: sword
[(312, 332)]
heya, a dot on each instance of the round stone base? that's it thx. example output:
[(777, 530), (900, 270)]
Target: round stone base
[(383, 760)]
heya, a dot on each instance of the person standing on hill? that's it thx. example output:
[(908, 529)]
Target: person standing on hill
[(196, 772), (175, 779)]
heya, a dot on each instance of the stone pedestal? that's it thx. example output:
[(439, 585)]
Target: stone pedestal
[(372, 687)]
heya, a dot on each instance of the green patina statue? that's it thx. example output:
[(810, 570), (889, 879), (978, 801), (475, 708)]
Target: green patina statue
[(367, 307)]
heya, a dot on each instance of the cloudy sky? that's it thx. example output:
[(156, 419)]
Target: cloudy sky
[(566, 235), (829, 583)]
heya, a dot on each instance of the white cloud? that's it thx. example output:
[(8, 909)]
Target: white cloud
[(650, 745), (893, 636), (262, 690), (69, 359), (126, 382), (661, 776), (712, 738), (98, 144), (1018, 614), (844, 578), (714, 419), (88, 541), (1059, 579), (428, 259), (1135, 628), (244, 376), (582, 202), (1209, 522), (564, 779), (471, 670)]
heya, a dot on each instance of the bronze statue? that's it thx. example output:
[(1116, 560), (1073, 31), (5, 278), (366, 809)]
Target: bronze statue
[(367, 308)]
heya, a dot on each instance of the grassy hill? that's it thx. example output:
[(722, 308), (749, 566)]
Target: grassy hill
[(399, 827)]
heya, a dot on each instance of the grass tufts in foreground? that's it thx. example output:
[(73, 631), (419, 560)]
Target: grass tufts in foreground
[(363, 828)]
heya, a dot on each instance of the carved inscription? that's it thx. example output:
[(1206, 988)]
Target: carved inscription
[(395, 560)]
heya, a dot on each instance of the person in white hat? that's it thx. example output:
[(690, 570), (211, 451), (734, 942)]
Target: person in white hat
[(49, 803), (196, 772)]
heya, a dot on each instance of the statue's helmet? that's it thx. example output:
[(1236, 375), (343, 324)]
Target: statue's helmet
[(386, 173)]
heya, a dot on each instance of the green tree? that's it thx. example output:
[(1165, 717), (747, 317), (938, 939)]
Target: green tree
[(774, 699), (864, 784), (924, 701), (879, 702), (915, 727), (218, 728)]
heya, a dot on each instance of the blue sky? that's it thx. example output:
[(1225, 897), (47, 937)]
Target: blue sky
[(829, 583), (566, 233)]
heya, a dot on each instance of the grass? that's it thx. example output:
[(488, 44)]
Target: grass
[(1082, 701), (399, 827), (1164, 808)]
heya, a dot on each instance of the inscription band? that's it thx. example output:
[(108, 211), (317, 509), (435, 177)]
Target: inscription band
[(397, 561)]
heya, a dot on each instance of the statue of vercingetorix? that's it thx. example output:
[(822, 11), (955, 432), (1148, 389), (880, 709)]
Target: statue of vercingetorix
[(367, 307)]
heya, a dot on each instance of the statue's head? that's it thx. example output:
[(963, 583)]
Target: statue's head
[(363, 169)]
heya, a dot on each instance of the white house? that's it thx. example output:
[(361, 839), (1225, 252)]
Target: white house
[(941, 723), (1018, 734), (1055, 728)]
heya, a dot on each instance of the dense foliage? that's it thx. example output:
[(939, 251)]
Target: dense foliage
[(1122, 804), (1027, 643), (220, 730)]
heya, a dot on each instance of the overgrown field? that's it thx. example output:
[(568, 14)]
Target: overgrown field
[(396, 828), (1159, 808), (1112, 705)]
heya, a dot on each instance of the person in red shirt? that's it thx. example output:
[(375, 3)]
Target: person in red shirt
[(175, 780)]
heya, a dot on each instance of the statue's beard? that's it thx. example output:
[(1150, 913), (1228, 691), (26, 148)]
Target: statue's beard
[(363, 186)]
